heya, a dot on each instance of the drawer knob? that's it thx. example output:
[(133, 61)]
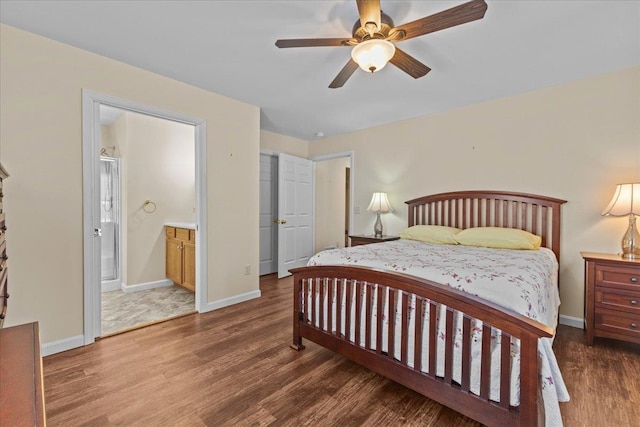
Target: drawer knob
[(634, 280), (634, 302), (634, 325)]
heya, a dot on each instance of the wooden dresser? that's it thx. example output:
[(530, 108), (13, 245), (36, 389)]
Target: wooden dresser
[(4, 289), (612, 297), (181, 256), (21, 386)]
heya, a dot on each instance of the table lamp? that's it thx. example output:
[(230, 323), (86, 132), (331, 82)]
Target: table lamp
[(626, 201), (379, 204)]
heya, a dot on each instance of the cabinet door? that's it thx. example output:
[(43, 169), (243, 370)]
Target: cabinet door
[(174, 260), (189, 266)]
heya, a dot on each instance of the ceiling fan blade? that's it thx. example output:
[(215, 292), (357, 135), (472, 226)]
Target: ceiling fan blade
[(409, 64), (344, 74), (369, 11), (312, 42), (467, 12)]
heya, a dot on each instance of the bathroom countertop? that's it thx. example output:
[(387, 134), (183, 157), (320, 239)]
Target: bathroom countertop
[(189, 225)]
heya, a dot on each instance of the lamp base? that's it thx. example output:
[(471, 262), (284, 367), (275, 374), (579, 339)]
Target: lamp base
[(377, 229), (631, 240)]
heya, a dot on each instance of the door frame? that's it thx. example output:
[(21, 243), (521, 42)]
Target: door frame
[(91, 102)]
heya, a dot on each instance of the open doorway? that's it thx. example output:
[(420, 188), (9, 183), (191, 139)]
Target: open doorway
[(332, 203), (147, 187), (146, 202)]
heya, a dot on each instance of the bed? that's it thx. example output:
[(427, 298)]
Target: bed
[(483, 359)]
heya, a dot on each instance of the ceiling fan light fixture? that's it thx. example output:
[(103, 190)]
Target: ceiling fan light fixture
[(372, 55)]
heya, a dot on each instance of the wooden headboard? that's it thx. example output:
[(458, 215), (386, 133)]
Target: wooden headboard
[(538, 215)]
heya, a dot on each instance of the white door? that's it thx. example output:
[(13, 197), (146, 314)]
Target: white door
[(295, 212), (268, 214)]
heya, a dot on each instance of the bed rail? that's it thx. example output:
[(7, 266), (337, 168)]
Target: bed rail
[(374, 295)]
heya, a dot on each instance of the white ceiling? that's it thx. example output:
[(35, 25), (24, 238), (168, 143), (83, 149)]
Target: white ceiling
[(228, 47)]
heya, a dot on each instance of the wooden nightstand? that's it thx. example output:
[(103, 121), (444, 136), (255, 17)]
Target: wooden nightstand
[(366, 239), (611, 297)]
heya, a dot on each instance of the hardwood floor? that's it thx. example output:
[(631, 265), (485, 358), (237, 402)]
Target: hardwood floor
[(234, 367)]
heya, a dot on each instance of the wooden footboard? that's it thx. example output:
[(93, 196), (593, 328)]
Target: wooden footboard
[(375, 295)]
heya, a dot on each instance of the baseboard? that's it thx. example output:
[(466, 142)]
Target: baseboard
[(144, 286), (574, 322), (111, 285), (215, 305), (78, 340), (62, 345)]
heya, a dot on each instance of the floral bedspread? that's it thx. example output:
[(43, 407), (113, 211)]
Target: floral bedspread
[(524, 281)]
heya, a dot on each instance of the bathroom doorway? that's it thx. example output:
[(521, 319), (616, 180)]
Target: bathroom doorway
[(139, 207), (157, 159)]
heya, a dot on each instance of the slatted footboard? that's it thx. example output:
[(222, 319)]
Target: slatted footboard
[(355, 312)]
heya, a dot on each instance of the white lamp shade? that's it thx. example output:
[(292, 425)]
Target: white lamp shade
[(625, 201), (379, 203), (372, 55)]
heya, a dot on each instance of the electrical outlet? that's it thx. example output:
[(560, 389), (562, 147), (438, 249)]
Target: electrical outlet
[(247, 270)]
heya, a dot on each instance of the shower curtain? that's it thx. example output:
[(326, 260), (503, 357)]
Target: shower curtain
[(109, 217)]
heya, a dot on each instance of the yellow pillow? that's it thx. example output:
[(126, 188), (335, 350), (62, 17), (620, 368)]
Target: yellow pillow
[(500, 238), (431, 234)]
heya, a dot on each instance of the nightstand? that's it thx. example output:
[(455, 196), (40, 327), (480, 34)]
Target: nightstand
[(366, 239), (611, 297)]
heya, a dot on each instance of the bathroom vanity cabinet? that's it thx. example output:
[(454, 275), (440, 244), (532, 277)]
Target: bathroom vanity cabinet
[(181, 256)]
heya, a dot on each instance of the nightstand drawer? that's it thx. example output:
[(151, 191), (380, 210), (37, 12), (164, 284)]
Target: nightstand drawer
[(618, 277), (618, 322), (615, 299)]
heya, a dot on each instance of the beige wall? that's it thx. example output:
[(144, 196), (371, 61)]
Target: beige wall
[(574, 141), (158, 164), (106, 138), (330, 179), (276, 143), (40, 128)]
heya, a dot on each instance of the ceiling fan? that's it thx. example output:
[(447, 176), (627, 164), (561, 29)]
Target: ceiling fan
[(374, 32)]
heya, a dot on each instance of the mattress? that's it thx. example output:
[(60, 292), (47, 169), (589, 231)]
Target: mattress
[(524, 281)]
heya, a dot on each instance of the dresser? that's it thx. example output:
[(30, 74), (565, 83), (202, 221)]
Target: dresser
[(612, 297), (4, 290), (366, 239), (21, 386)]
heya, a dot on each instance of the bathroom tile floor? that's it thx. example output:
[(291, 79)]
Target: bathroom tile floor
[(122, 311)]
